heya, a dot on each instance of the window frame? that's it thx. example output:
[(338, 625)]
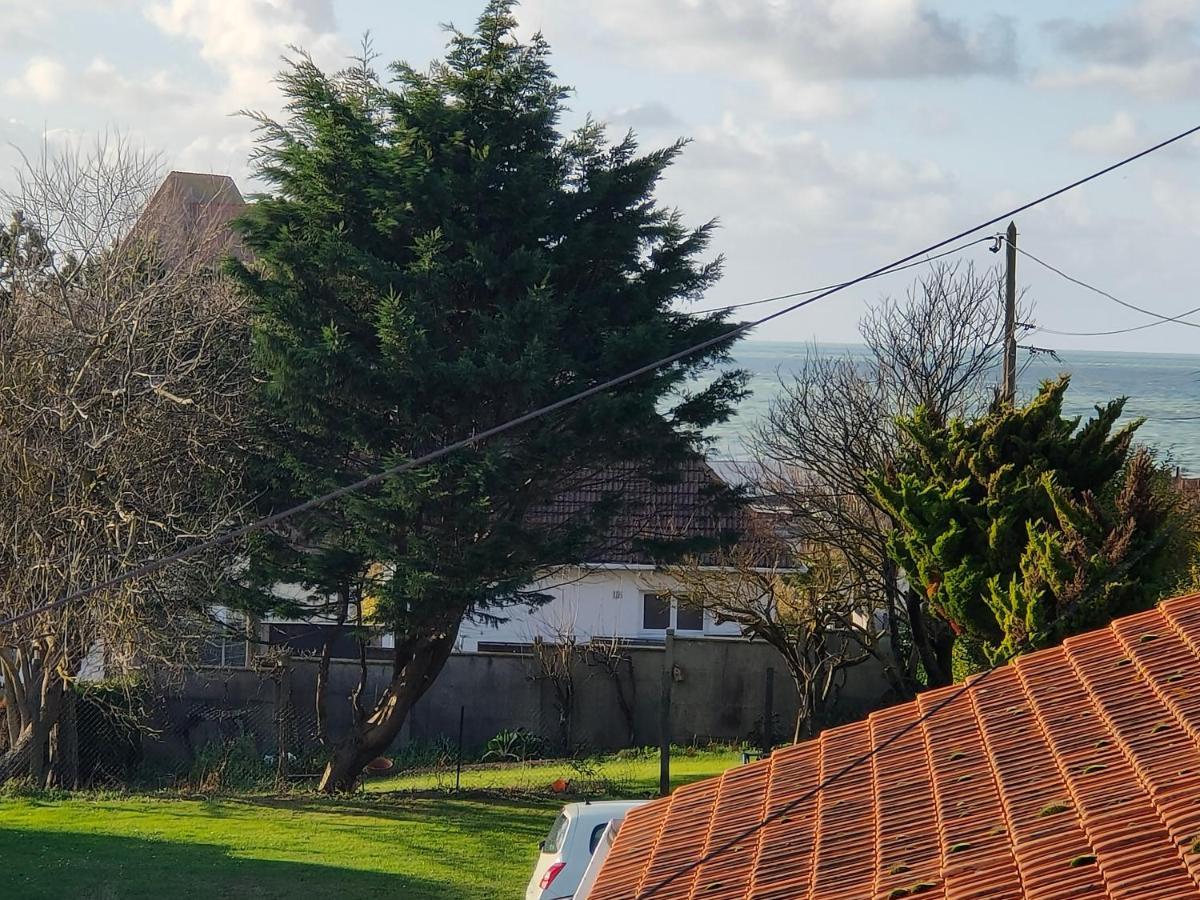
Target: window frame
[(673, 610)]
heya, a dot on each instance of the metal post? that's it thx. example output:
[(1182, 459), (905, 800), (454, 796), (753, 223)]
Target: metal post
[(1009, 383), (462, 715), (664, 716), (769, 712)]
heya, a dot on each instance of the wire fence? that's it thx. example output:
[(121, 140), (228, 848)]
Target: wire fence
[(497, 725)]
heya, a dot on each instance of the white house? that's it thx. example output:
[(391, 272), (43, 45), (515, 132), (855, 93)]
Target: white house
[(629, 601), (621, 591)]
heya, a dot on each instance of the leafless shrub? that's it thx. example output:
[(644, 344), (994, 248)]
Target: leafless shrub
[(833, 424), (123, 383)]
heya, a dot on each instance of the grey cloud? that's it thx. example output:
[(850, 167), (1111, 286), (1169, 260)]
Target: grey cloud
[(1149, 48), (1128, 41), (645, 116), (815, 38)]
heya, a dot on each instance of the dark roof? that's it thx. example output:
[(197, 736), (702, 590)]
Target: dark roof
[(688, 507), (190, 214), (1187, 485), (1073, 772)]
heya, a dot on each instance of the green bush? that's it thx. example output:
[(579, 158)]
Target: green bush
[(515, 745), (232, 764)]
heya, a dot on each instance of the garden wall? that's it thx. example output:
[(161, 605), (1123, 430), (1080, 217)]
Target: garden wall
[(718, 693)]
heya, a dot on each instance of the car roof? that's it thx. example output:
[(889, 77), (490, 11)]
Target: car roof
[(601, 810)]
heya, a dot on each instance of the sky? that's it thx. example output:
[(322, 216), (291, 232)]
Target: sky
[(828, 137)]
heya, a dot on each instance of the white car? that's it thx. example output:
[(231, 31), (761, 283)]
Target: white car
[(570, 844)]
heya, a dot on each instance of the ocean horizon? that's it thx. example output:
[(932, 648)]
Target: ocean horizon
[(1163, 388)]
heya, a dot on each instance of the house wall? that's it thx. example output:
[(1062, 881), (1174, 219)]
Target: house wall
[(586, 603)]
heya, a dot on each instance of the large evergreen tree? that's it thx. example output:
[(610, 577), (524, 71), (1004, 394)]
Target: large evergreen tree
[(435, 258), (1022, 527)]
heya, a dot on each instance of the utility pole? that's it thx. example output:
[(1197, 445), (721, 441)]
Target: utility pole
[(1008, 387)]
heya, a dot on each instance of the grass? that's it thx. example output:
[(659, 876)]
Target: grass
[(426, 849), (637, 777), (411, 845)]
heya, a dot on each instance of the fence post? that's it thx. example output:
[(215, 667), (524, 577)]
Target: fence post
[(769, 712), (283, 716), (664, 715), (462, 715)]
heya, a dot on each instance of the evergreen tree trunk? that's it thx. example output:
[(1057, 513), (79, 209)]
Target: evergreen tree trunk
[(64, 746), (322, 689), (935, 651), (417, 665)]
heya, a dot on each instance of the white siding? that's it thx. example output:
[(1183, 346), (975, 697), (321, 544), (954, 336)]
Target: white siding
[(599, 602)]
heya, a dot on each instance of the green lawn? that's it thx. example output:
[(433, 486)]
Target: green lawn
[(397, 845), (423, 849), (612, 776)]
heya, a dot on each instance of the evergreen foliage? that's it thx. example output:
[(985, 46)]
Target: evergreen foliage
[(1021, 527), (435, 258)]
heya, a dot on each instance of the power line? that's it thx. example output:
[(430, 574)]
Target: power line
[(156, 565), (1163, 321), (921, 262), (1180, 319)]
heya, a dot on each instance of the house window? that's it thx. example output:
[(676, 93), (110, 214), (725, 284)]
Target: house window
[(689, 618), (225, 646), (662, 612), (656, 612)]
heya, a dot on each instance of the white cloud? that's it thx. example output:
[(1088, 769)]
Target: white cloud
[(21, 24), (243, 40), (1118, 135), (1178, 205), (43, 79), (148, 94), (801, 183)]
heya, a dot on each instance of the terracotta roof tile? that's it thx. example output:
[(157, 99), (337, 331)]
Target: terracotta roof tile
[(1071, 773)]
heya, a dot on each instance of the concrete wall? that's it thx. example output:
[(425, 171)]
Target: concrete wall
[(718, 693)]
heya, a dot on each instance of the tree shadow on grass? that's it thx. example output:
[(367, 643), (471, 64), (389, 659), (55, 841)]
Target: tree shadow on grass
[(48, 865), (519, 824)]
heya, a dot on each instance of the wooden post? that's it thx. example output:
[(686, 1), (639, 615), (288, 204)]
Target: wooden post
[(1009, 382), (769, 712), (283, 716), (664, 715), (462, 718)]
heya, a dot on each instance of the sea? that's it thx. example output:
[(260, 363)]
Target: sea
[(1164, 388)]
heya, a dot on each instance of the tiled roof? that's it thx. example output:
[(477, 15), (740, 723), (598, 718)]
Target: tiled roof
[(1188, 485), (690, 504), (1071, 773), (189, 215)]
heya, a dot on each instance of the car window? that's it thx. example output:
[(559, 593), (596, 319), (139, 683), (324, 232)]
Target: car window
[(558, 832), (597, 833)]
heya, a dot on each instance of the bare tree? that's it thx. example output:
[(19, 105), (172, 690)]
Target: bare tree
[(834, 423), (554, 663), (816, 614), (122, 384), (611, 657)]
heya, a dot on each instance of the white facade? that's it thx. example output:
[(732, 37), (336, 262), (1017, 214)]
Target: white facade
[(623, 601)]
